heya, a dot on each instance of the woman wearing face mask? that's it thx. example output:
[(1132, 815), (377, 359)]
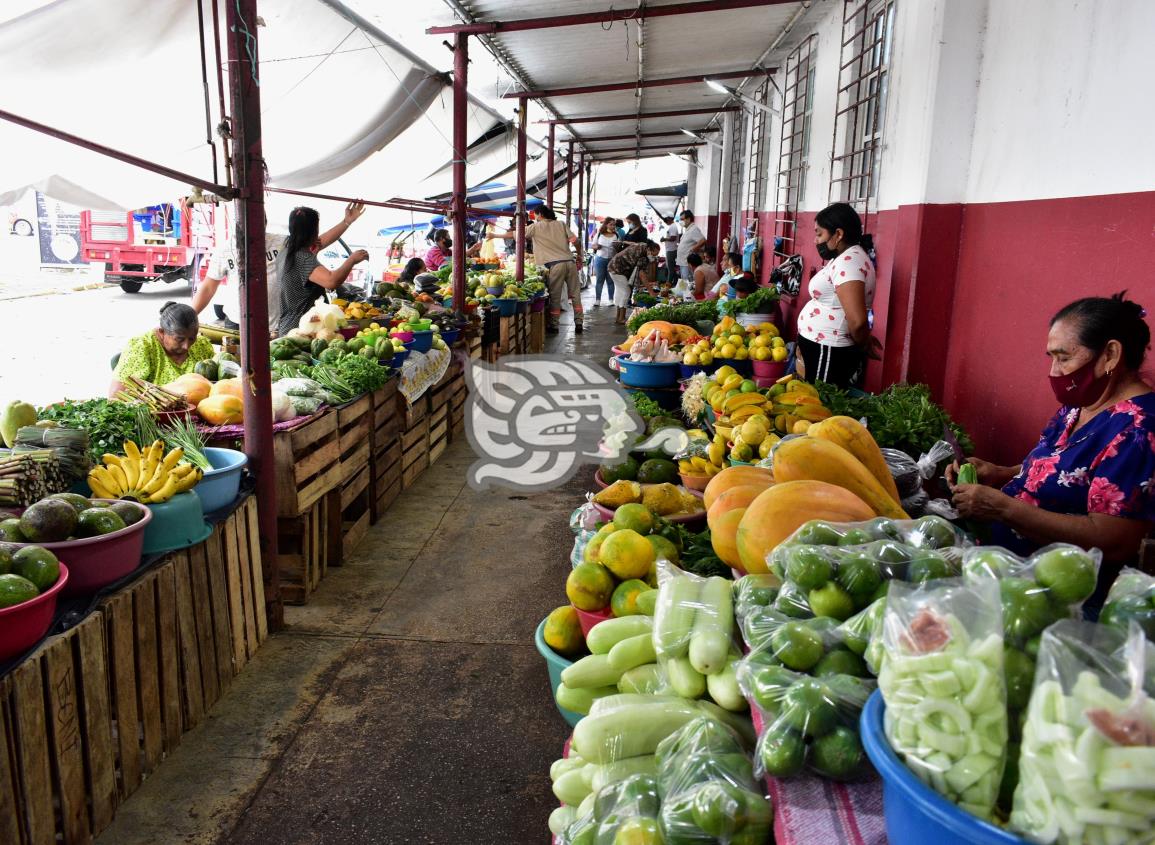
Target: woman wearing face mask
[(635, 232), (834, 336), (1091, 479)]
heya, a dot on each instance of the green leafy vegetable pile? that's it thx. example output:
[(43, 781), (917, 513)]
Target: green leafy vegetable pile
[(108, 422), (647, 407), (761, 301), (350, 377), (688, 314), (904, 416), (698, 555)]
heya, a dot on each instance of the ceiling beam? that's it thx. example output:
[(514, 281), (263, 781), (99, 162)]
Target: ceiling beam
[(610, 16), (684, 146), (630, 137), (614, 157), (634, 84), (605, 118)]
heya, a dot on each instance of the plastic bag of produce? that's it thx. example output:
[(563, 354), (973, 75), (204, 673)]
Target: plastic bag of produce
[(693, 635), (916, 503), (1132, 598), (904, 469), (627, 811), (708, 791), (1087, 765), (754, 592), (942, 680), (929, 461)]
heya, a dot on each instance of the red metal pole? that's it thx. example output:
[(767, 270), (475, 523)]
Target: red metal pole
[(521, 152), (248, 164), (549, 169), (569, 184), (460, 143), (581, 211)]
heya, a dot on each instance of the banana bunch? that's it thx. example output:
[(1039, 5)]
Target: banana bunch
[(796, 406), (148, 477), (701, 466)]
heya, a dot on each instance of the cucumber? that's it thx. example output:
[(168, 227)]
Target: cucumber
[(580, 699), (649, 679), (565, 764), (713, 626), (723, 688), (593, 670), (605, 635), (631, 652), (675, 616), (586, 806), (630, 729), (561, 818), (613, 772), (685, 680), (572, 787), (646, 602)]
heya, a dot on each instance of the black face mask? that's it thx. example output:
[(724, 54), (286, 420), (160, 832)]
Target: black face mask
[(824, 251), (448, 246)]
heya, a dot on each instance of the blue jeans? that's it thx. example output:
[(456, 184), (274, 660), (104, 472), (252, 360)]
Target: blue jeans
[(602, 273)]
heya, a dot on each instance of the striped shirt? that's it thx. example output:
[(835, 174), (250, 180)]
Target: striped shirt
[(297, 293)]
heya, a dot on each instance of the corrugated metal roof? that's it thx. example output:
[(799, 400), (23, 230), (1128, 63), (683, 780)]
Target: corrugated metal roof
[(592, 54)]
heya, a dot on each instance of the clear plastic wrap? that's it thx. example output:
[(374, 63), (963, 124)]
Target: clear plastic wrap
[(627, 808), (693, 630), (929, 461), (1087, 763), (708, 790), (942, 681), (754, 592), (1132, 598), (904, 469)]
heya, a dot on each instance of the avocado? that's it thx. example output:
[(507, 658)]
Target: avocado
[(10, 530), (627, 470), (48, 521), (15, 590), (4, 514), (97, 521), (662, 422), (129, 513), (658, 471), (5, 559), (38, 565), (75, 499)]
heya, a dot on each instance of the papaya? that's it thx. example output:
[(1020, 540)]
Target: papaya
[(191, 386), (735, 477), (780, 510), (227, 387), (736, 497), (724, 537), (820, 460), (853, 436), (221, 409)]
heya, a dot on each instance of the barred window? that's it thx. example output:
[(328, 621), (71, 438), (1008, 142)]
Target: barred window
[(793, 151)]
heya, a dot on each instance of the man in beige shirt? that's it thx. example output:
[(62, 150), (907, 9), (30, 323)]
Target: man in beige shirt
[(551, 249)]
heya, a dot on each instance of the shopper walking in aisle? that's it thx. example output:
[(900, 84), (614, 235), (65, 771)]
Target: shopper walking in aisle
[(632, 266), (672, 233), (552, 240), (603, 244), (833, 328), (691, 240)]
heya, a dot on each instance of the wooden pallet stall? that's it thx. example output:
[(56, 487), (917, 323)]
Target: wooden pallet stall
[(536, 332), (387, 477), (385, 451), (457, 400), (414, 453), (349, 509), (308, 463), (474, 348), (303, 552)]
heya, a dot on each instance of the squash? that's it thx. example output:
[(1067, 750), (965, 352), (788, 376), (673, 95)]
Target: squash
[(780, 510), (228, 387), (820, 460), (735, 477), (191, 386), (852, 436), (221, 410)]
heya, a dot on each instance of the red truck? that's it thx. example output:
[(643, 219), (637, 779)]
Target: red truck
[(162, 242)]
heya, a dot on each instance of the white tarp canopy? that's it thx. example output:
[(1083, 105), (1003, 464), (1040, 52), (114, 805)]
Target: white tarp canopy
[(345, 109)]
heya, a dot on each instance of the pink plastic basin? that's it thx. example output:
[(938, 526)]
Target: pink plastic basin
[(96, 562), (22, 625), (769, 369), (587, 619), (404, 337)]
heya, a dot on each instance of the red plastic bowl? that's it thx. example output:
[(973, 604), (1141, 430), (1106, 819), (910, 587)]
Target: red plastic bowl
[(98, 561), (587, 619), (164, 418), (769, 369), (23, 625), (688, 518)]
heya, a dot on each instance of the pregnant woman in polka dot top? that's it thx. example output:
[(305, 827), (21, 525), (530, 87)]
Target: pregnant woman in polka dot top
[(834, 337)]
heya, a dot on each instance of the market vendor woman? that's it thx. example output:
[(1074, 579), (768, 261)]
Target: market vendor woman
[(166, 352), (1090, 480)]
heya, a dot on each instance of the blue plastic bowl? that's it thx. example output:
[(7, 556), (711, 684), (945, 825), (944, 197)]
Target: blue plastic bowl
[(422, 341), (915, 813), (494, 291), (220, 485), (506, 307), (644, 374), (399, 358), (555, 663), (450, 336)]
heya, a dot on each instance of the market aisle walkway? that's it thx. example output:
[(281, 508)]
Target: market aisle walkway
[(406, 703)]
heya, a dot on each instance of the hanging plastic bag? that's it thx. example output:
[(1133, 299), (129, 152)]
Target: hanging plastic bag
[(904, 469), (1132, 598), (1087, 764), (942, 681), (708, 790), (929, 461)]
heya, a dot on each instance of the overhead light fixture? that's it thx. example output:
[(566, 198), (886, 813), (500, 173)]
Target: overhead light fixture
[(745, 98), (678, 158), (702, 138)]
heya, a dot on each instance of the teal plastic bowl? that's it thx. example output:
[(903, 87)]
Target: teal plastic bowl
[(555, 663), (220, 485), (915, 813), (176, 524)]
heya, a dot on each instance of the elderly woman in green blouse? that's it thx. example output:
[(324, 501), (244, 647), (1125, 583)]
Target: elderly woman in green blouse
[(168, 351)]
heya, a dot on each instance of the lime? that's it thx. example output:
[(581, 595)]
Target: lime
[(768, 684), (635, 517), (926, 565), (1026, 611), (818, 533), (663, 548), (888, 551), (807, 567), (715, 809), (808, 707), (1119, 612), (859, 575), (995, 562), (1069, 574), (15, 590), (792, 602), (783, 753), (882, 528), (38, 565), (797, 646), (855, 537), (848, 690), (1020, 673), (841, 662), (832, 601), (932, 532), (838, 755), (624, 601)]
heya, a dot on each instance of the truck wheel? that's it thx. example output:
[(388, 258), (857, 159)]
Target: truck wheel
[(131, 287)]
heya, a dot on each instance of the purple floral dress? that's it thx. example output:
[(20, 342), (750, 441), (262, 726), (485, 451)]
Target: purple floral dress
[(1107, 466)]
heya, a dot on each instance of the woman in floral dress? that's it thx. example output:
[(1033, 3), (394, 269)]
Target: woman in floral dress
[(1091, 478)]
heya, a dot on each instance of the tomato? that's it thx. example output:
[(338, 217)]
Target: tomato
[(808, 707), (783, 753), (1119, 612), (841, 662), (888, 551), (808, 567), (932, 532), (831, 601), (797, 646), (817, 533), (1069, 574), (927, 565), (792, 602), (996, 562), (882, 528), (859, 574), (1026, 609), (768, 684), (1020, 674), (856, 537), (838, 755)]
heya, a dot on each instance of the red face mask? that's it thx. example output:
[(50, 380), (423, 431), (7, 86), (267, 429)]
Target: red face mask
[(1080, 388)]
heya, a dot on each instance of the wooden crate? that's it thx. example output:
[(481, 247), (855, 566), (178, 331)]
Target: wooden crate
[(537, 332), (349, 516), (474, 348), (308, 463), (354, 432), (303, 552), (386, 481), (386, 420), (414, 453)]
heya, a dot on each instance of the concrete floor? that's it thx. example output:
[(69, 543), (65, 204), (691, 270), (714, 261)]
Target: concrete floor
[(406, 702)]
